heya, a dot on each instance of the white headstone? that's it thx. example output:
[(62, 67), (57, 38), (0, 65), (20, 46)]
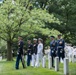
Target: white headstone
[(1, 1), (66, 66), (57, 64), (0, 58), (44, 62), (50, 62)]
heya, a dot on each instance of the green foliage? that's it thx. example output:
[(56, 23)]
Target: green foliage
[(37, 22), (15, 17), (65, 11), (2, 46), (11, 18)]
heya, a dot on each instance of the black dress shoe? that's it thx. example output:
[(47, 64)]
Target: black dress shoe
[(24, 67), (17, 68), (53, 66)]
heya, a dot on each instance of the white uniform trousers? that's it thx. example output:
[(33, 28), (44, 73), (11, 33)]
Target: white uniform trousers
[(34, 56), (39, 59)]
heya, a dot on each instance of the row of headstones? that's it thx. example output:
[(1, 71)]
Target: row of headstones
[(66, 64)]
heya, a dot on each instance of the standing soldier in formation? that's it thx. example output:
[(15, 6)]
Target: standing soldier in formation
[(34, 52), (20, 53), (29, 52), (60, 47), (53, 48), (39, 52)]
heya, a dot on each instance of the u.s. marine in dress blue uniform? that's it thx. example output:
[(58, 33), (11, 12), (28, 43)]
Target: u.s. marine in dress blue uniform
[(53, 47), (60, 47)]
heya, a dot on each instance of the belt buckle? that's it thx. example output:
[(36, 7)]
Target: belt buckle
[(61, 50), (52, 51)]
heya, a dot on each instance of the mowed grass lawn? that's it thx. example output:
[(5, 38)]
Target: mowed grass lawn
[(8, 68)]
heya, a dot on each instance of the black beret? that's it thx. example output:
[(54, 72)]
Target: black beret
[(52, 37)]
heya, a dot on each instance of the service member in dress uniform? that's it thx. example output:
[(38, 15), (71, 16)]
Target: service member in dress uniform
[(29, 52), (34, 52), (39, 52), (20, 53), (53, 48), (60, 47)]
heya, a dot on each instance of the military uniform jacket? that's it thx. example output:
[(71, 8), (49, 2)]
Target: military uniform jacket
[(20, 48), (60, 45), (34, 49), (29, 49), (53, 47), (40, 48)]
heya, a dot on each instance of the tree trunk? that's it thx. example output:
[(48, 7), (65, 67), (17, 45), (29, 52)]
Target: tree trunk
[(9, 51)]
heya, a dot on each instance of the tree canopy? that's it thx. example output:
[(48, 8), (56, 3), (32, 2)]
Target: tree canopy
[(16, 19)]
